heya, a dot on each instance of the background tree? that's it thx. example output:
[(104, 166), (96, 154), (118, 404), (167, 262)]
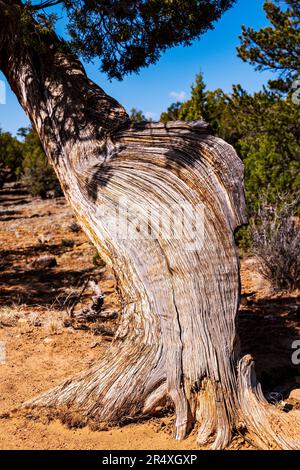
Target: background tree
[(275, 47), (137, 116), (194, 108), (37, 174), (10, 158), (172, 113), (127, 35), (24, 160), (263, 127)]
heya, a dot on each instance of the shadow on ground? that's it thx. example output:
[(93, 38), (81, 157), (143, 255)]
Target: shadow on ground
[(267, 330)]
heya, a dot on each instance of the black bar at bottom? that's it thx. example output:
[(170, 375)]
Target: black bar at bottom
[(162, 458)]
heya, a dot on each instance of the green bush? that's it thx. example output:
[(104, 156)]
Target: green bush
[(38, 174), (10, 158)]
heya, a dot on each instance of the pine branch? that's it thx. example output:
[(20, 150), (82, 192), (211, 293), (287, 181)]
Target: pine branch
[(46, 4)]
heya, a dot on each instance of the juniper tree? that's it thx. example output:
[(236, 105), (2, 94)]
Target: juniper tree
[(275, 47), (179, 285)]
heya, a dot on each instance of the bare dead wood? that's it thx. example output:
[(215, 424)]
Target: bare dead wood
[(91, 312), (177, 336), (77, 298)]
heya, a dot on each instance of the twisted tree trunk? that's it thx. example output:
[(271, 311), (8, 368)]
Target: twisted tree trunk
[(179, 282)]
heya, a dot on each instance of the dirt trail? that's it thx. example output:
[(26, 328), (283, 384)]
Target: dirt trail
[(42, 348)]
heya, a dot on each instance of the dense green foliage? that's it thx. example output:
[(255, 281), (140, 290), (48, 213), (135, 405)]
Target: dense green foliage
[(25, 160), (276, 47), (129, 34), (37, 174), (10, 157), (137, 115)]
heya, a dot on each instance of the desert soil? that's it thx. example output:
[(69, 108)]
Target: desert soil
[(43, 346)]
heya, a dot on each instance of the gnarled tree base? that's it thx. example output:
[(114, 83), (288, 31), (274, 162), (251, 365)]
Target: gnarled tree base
[(268, 427), (177, 338), (92, 401)]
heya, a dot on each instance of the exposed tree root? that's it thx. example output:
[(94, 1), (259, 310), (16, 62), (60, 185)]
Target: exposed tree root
[(87, 399), (268, 427)]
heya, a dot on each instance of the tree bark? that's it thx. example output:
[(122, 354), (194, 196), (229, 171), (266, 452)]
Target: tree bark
[(177, 338)]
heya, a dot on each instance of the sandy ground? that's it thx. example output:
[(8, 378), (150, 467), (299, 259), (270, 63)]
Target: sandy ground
[(42, 348)]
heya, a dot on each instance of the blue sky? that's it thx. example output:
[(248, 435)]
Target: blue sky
[(155, 88)]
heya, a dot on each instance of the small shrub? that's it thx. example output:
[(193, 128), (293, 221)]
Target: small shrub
[(10, 158), (98, 261), (74, 227), (275, 235), (66, 243), (38, 174), (243, 239), (54, 326)]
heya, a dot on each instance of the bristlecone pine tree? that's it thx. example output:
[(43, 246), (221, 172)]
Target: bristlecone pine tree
[(177, 338)]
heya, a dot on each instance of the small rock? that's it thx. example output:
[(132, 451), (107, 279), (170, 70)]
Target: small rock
[(44, 238), (274, 397), (108, 314), (295, 394), (7, 321), (158, 409), (44, 262), (48, 340), (50, 194), (67, 323)]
